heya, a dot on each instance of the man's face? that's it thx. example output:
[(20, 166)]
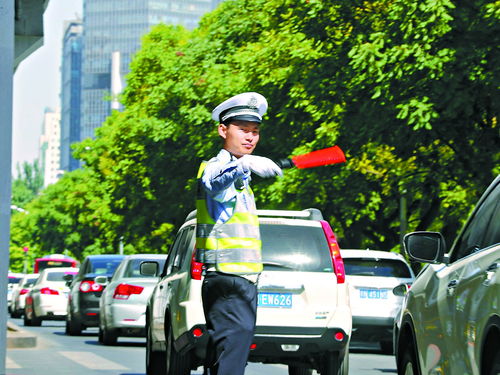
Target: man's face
[(240, 137)]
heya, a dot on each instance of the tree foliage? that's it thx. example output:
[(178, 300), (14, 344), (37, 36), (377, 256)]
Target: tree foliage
[(409, 90)]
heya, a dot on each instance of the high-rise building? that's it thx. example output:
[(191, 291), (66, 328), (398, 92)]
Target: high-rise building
[(114, 28), (50, 142), (71, 89)]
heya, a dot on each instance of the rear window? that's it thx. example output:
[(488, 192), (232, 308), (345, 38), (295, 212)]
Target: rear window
[(295, 248), (133, 265), (376, 267), (104, 266), (29, 282), (57, 276), (14, 280)]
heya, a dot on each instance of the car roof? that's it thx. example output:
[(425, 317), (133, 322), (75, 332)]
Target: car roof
[(367, 253), (105, 256), (146, 256), (59, 269)]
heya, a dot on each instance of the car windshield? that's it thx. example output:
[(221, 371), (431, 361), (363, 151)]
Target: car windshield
[(133, 267), (295, 248), (376, 267), (104, 266)]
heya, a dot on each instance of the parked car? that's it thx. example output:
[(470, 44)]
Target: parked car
[(450, 319), (83, 304), (303, 317), (12, 281), (371, 276), (19, 294), (48, 298), (122, 307)]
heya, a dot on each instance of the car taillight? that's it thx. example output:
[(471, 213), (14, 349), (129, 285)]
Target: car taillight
[(24, 291), (196, 268), (124, 291), (88, 286), (338, 263), (49, 291)]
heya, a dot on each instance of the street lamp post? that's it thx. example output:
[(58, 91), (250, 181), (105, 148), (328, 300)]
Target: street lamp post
[(6, 79)]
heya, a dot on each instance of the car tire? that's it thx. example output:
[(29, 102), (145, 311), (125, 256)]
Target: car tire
[(73, 326), (26, 320), (35, 320), (386, 347), (14, 314), (109, 336), (332, 365), (175, 363), (155, 360), (409, 364), (295, 370)]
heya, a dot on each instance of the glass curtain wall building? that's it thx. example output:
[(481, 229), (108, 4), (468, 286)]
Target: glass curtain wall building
[(71, 88), (111, 26)]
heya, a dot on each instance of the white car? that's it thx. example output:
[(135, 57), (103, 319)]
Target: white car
[(19, 294), (450, 319), (12, 281), (122, 307), (371, 276), (303, 315), (48, 299)]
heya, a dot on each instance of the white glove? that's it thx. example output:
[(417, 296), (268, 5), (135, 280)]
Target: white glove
[(264, 167)]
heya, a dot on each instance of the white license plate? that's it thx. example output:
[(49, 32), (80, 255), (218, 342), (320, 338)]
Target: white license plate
[(373, 293), (275, 300)]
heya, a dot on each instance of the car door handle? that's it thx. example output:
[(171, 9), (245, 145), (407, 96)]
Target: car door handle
[(490, 272), (451, 287), (492, 267)]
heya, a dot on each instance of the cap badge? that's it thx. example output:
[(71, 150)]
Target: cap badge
[(252, 103)]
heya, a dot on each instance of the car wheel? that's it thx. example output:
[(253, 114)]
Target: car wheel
[(494, 366), (176, 364), (109, 336), (73, 326), (155, 360), (35, 320), (14, 314), (408, 362), (331, 364), (386, 347), (26, 320), (295, 370)]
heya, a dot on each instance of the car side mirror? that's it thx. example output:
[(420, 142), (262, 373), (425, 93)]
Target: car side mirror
[(101, 280), (400, 290), (149, 268), (427, 247)]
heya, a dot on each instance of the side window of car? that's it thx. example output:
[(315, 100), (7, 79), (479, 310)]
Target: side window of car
[(181, 251), (482, 230), (172, 254), (187, 247)]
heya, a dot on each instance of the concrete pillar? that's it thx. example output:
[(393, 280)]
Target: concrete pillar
[(6, 79)]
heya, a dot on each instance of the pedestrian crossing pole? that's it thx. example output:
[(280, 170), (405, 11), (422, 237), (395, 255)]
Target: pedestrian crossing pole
[(6, 81)]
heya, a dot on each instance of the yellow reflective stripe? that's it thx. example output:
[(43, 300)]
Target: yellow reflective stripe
[(244, 218)]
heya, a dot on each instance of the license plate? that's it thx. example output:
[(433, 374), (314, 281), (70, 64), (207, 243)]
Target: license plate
[(275, 300), (373, 293)]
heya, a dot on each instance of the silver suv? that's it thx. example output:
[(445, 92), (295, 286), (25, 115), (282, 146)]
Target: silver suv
[(303, 317)]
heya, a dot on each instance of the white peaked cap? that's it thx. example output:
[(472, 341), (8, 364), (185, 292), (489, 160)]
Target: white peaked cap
[(248, 106)]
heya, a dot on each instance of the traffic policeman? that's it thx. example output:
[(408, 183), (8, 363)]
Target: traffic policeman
[(227, 233)]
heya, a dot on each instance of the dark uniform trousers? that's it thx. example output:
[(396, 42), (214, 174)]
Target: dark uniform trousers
[(230, 306)]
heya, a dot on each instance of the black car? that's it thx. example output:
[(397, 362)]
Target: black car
[(84, 295)]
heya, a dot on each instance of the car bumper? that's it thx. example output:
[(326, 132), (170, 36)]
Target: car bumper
[(372, 329), (286, 345), (52, 308), (129, 319)]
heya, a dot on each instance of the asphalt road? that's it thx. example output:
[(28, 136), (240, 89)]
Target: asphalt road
[(59, 354)]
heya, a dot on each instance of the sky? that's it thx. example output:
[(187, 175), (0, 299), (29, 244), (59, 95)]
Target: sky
[(37, 83)]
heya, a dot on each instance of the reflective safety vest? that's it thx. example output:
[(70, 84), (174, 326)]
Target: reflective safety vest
[(233, 246)]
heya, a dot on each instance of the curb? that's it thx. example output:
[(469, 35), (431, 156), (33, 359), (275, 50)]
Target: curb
[(18, 338)]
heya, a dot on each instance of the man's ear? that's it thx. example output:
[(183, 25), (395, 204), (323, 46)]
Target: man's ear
[(222, 129)]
